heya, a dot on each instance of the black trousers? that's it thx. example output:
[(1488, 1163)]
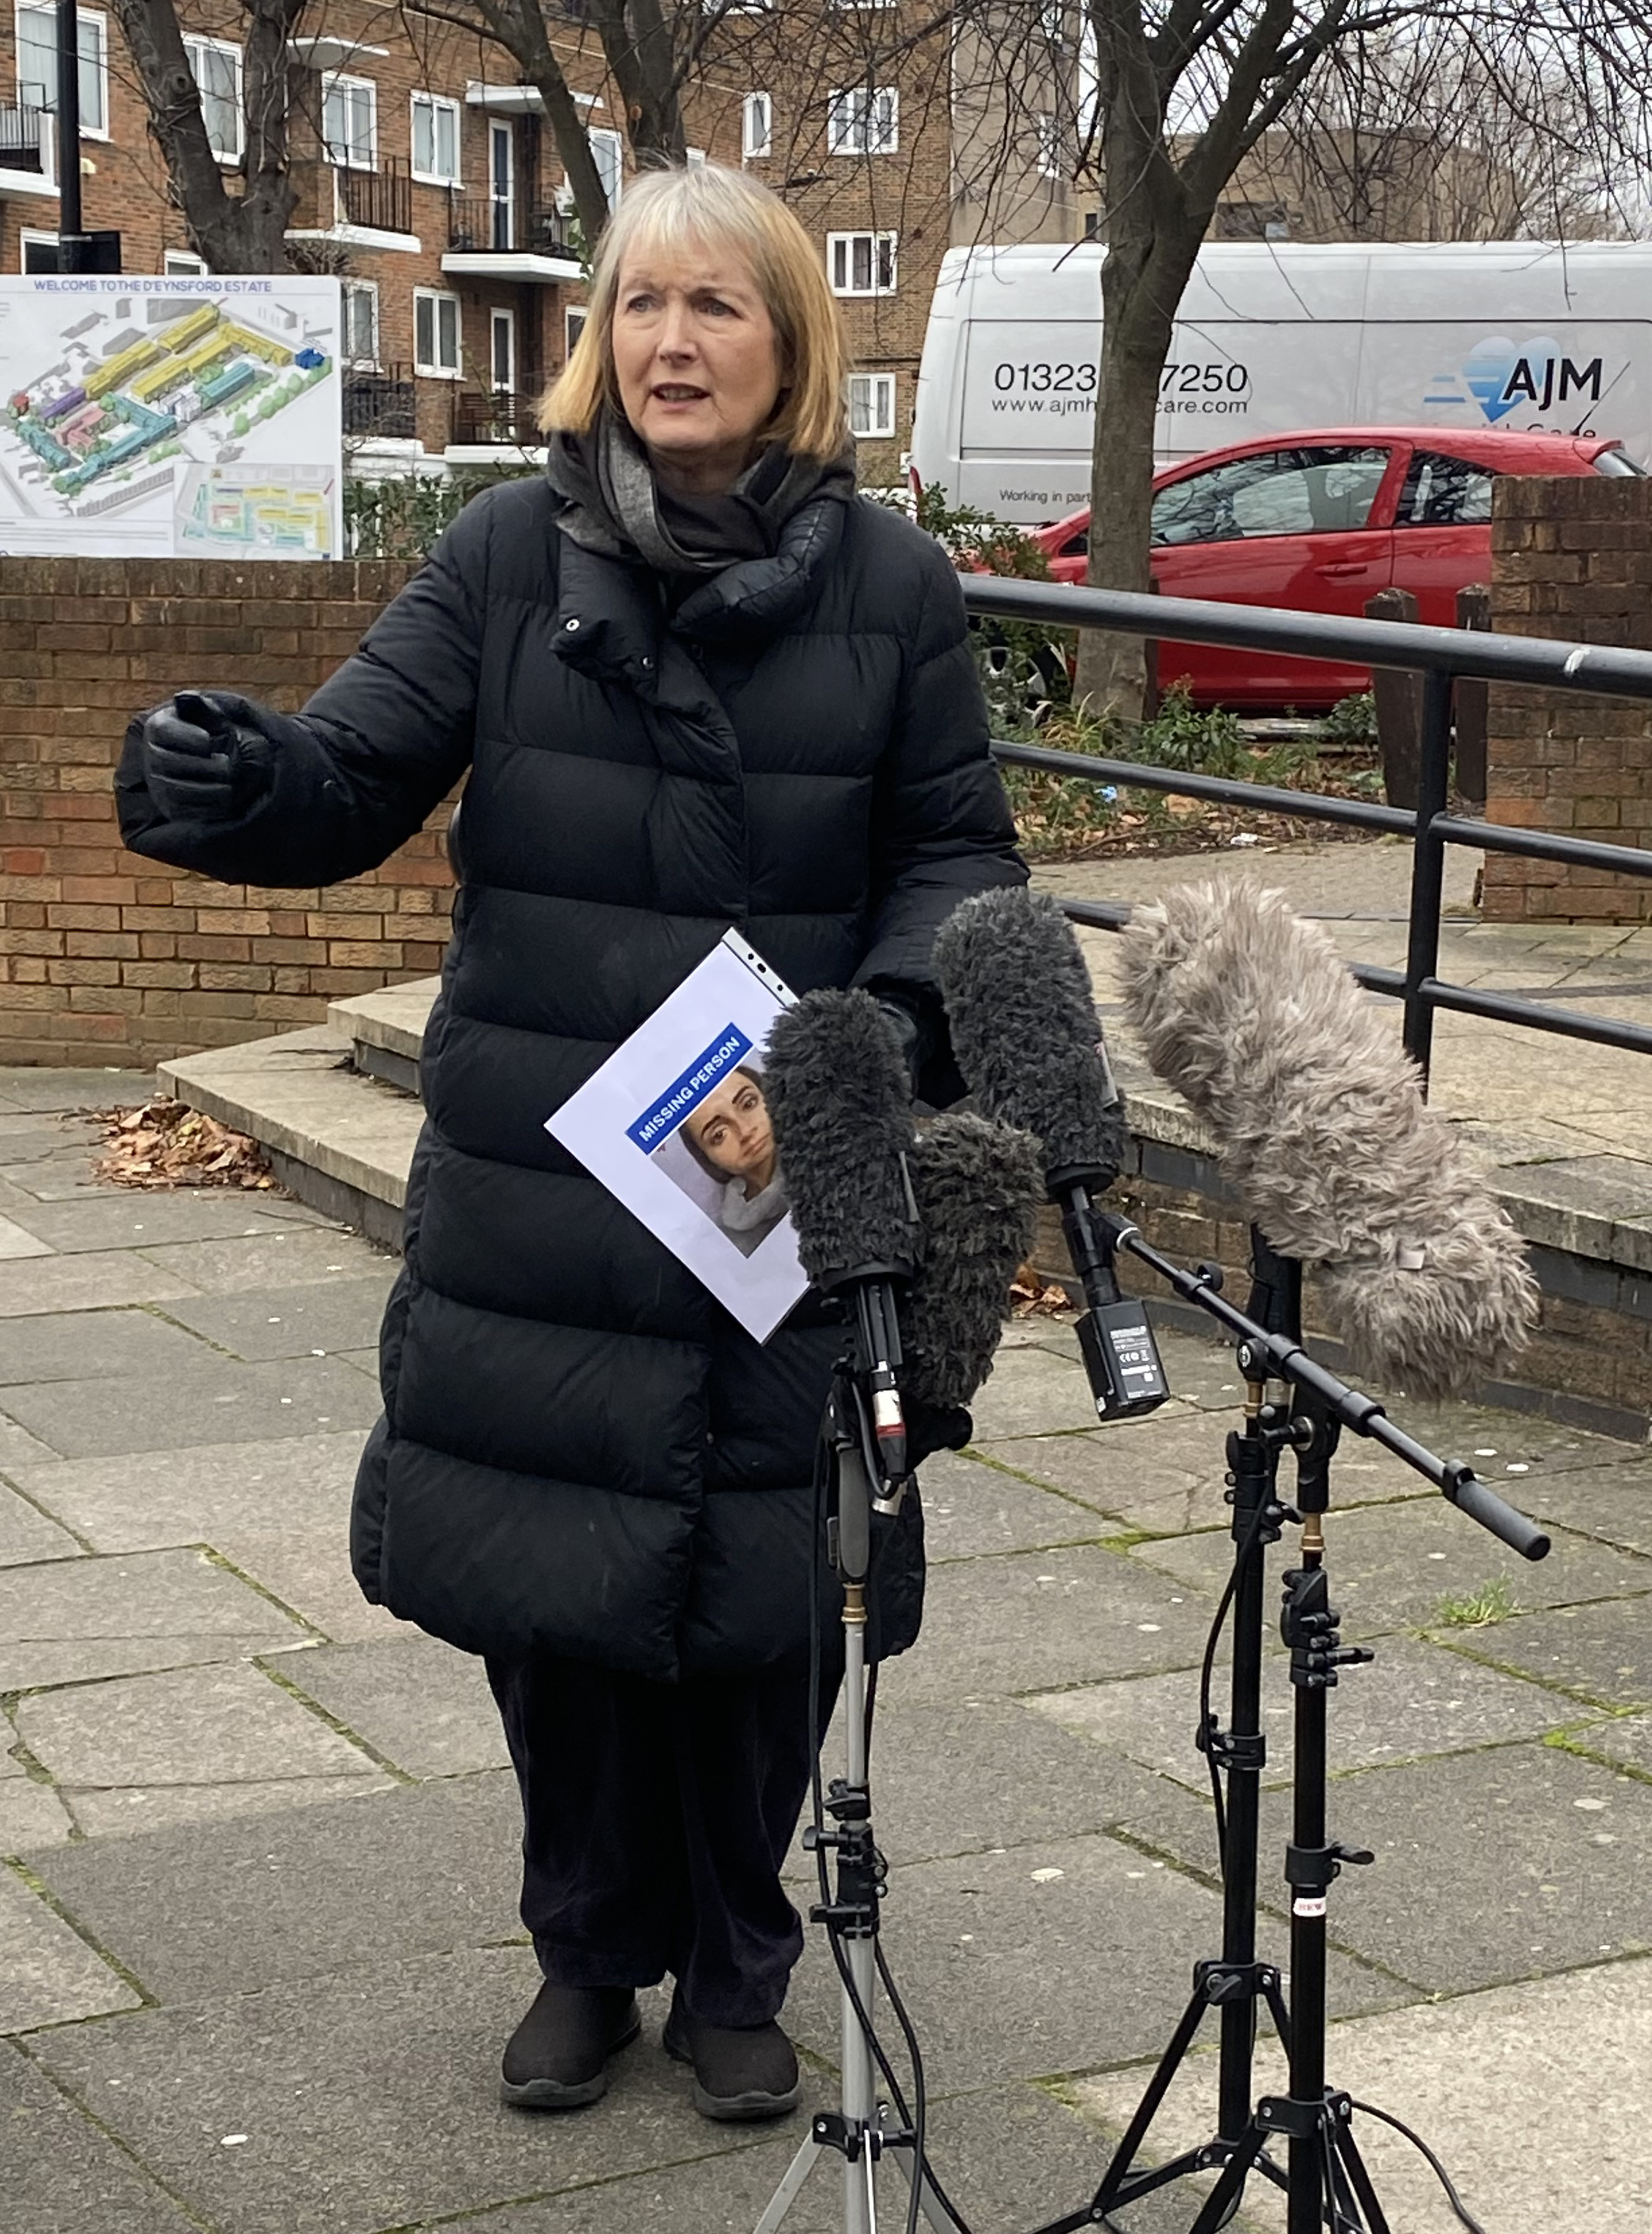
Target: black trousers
[(656, 1818)]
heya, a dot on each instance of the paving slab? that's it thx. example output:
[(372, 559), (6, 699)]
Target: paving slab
[(272, 1258), (43, 1089), (1043, 1960), (1032, 1389), (97, 1280), (60, 2175), (16, 1241), (217, 1399), (322, 1315), (423, 1705), (1599, 1654), (18, 1448), (1537, 2098), (367, 2101), (1511, 1862), (1391, 1566), (983, 1772), (205, 1727), (310, 1573), (1611, 1503), (146, 1500), (1038, 1619), (32, 1816), (48, 1975), (411, 1872), (1627, 1740), (142, 1220), (1008, 2156), (87, 1345), (1414, 1699), (72, 1620), (26, 1534), (971, 1507)]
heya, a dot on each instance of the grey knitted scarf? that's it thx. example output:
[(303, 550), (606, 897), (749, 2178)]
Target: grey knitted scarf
[(613, 504)]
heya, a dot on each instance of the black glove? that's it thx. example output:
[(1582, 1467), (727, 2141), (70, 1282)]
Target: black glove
[(203, 760), (904, 1026)]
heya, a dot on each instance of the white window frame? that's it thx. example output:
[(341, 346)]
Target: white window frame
[(756, 127), (600, 135), (571, 331), (99, 62), (195, 44), (1051, 160), (183, 264), (348, 354), (880, 397), (840, 263), (27, 238), (500, 315), (433, 369), (435, 102), (345, 158), (852, 112)]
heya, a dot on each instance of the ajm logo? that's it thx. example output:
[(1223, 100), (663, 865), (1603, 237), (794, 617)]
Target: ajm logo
[(1502, 376)]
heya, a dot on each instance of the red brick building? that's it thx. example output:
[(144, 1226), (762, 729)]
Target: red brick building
[(427, 178)]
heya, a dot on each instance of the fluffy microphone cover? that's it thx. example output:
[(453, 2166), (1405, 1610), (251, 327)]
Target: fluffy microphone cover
[(1322, 1132), (840, 1100), (1024, 1026), (978, 1187)]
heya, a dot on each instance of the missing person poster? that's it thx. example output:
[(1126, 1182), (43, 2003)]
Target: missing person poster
[(675, 1124)]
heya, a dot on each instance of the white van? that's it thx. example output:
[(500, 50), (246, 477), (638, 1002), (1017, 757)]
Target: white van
[(1273, 337)]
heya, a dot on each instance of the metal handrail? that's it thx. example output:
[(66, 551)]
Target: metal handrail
[(1441, 656)]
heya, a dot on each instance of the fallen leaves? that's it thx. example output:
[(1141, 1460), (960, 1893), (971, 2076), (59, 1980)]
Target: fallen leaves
[(1033, 1297), (166, 1144)]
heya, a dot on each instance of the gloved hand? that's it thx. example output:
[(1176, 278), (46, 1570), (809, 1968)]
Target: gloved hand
[(204, 760), (904, 1026)]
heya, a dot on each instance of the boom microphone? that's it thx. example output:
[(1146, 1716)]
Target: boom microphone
[(840, 1103), (1322, 1133), (1028, 1039), (978, 1188)]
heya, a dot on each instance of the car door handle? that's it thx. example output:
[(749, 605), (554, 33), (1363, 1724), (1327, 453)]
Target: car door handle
[(1340, 567)]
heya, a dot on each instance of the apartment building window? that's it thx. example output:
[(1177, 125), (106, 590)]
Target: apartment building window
[(436, 334), (1052, 148), (183, 264), (863, 121), (573, 324), (216, 65), (694, 158), (349, 122), (872, 403), (435, 140), (359, 311), (608, 150), (37, 66), (756, 126), (37, 253), (861, 263)]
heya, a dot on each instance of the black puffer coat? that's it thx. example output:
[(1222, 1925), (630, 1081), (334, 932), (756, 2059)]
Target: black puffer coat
[(580, 1450)]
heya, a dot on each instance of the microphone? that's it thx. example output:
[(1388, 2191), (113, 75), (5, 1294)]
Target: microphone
[(978, 1187), (839, 1099), (1322, 1133), (1028, 1039)]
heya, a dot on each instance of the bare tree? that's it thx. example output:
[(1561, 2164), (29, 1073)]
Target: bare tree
[(1184, 90), (234, 231)]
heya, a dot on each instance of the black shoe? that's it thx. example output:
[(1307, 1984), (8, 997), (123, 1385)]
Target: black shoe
[(557, 2057), (740, 2074)]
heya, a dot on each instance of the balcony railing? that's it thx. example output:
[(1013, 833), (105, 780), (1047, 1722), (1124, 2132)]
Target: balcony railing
[(22, 139), (380, 403), (478, 224), (381, 200), (498, 418)]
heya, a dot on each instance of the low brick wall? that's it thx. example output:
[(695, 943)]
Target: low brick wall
[(1571, 559), (104, 957)]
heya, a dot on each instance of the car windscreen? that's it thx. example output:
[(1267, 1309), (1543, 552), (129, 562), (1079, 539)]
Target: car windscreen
[(1615, 463)]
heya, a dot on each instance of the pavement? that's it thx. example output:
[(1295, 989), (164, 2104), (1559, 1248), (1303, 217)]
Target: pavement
[(258, 1946)]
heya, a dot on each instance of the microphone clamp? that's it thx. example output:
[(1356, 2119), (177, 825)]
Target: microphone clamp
[(1115, 1338)]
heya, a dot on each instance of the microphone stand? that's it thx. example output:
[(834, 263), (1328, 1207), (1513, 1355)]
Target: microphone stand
[(1325, 2179), (863, 1452)]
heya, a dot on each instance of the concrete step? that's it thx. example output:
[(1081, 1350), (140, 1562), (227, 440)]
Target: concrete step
[(387, 1029)]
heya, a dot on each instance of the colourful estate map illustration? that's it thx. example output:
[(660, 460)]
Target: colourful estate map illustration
[(154, 403)]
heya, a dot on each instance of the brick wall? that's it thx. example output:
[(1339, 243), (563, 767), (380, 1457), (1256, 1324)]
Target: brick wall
[(1571, 560), (106, 957)]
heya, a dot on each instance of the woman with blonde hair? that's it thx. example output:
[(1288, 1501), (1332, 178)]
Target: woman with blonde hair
[(697, 682)]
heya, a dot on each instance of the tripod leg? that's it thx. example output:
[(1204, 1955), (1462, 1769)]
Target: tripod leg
[(1113, 2180), (787, 2193), (928, 2203), (1347, 2150)]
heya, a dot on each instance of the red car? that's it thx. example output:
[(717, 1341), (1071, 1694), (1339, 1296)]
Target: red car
[(1319, 522)]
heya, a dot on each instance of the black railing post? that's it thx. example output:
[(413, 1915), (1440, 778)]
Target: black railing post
[(1427, 868)]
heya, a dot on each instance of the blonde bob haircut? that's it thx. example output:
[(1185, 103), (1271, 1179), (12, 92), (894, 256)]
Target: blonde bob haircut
[(709, 208)]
